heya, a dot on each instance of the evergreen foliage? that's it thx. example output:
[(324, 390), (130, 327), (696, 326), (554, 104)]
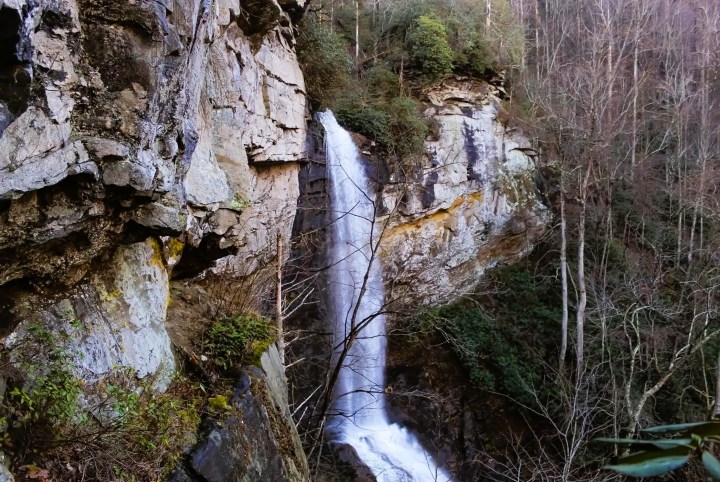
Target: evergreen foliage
[(623, 98), (402, 46), (503, 340), (430, 48), (239, 339), (408, 128), (380, 112), (116, 429)]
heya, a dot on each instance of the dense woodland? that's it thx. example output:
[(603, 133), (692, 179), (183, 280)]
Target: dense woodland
[(622, 100)]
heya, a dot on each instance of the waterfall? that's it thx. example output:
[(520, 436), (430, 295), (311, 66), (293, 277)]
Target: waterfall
[(358, 416)]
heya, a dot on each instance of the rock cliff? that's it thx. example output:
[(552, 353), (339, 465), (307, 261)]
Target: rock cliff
[(256, 439), (140, 141), (164, 116), (134, 121), (474, 203)]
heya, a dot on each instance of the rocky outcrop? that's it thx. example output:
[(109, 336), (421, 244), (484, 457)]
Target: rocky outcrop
[(5, 475), (125, 121), (165, 117), (474, 203), (256, 439), (470, 204), (112, 322), (140, 142)]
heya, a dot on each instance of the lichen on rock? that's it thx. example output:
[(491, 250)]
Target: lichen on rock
[(113, 321)]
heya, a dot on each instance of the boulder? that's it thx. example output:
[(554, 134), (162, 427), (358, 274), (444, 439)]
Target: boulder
[(255, 439), (113, 321)]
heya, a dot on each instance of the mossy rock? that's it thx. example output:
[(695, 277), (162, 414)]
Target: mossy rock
[(239, 340)]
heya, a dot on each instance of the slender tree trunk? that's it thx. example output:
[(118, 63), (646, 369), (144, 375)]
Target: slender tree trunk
[(488, 10), (610, 72), (357, 37), (633, 152), (278, 301), (537, 40), (704, 135), (680, 191), (582, 290), (716, 408), (563, 274)]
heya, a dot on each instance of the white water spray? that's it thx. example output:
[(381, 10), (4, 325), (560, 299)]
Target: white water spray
[(358, 414)]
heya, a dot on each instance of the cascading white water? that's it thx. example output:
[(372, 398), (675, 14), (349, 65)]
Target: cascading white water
[(358, 415)]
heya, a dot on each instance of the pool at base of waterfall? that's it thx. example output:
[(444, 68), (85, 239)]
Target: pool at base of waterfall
[(393, 454)]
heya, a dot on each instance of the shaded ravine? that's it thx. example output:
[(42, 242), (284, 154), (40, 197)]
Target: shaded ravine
[(358, 413)]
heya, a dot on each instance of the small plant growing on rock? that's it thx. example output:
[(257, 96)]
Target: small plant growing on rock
[(219, 403), (239, 339), (49, 392), (239, 203), (56, 427)]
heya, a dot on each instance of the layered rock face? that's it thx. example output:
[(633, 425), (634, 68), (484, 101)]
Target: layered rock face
[(140, 141), (164, 116), (474, 205), (126, 121), (115, 320)]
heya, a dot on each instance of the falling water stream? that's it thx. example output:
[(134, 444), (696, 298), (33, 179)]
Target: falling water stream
[(359, 417)]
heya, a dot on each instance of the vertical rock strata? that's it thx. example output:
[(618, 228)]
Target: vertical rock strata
[(161, 115)]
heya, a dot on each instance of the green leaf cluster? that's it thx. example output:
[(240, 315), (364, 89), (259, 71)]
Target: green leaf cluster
[(379, 111), (239, 339), (396, 125), (430, 49), (503, 338), (51, 392), (490, 356), (111, 424), (165, 423), (662, 456), (325, 62)]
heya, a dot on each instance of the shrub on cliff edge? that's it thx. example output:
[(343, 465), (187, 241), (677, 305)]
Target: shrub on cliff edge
[(239, 339), (430, 48)]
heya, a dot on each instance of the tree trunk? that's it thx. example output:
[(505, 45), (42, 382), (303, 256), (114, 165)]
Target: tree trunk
[(563, 274), (537, 40), (278, 301), (488, 9), (633, 152), (357, 37), (716, 408), (582, 290)]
